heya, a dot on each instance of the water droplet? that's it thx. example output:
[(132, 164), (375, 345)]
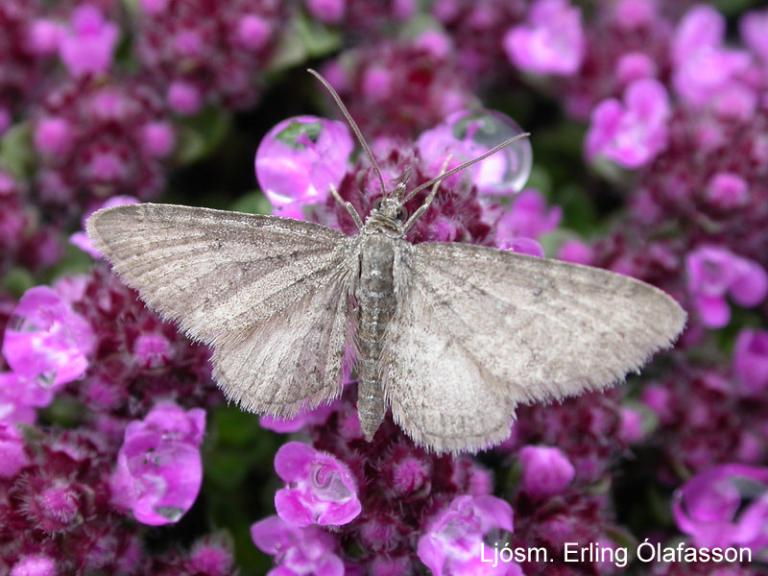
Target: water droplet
[(328, 484), (468, 134), (171, 513)]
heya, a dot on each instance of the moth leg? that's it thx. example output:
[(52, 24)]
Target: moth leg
[(348, 206), (428, 202)]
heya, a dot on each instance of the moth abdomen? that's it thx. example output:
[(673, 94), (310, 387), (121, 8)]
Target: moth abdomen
[(376, 306)]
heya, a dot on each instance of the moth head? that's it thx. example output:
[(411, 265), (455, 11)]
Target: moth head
[(391, 206)]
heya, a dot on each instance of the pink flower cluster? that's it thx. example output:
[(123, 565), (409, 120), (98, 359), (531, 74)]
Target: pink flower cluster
[(713, 274), (401, 88), (97, 139), (199, 52), (66, 490)]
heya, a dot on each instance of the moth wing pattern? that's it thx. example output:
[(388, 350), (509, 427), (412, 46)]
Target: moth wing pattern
[(437, 393), (294, 360), (270, 295), (526, 329)]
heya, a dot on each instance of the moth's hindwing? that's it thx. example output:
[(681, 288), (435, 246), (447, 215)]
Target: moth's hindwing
[(483, 330)]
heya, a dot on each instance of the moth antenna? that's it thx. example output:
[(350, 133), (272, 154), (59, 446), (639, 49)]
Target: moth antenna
[(465, 165), (353, 125)]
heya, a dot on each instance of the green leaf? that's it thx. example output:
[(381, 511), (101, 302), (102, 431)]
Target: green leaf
[(200, 135), (16, 153), (303, 39), (253, 203), (417, 25), (74, 261), (226, 469), (318, 39), (578, 210), (735, 8), (131, 7), (659, 507), (17, 281), (65, 411), (291, 134), (235, 427), (541, 180)]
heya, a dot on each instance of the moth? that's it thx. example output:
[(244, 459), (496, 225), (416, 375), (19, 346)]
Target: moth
[(450, 337)]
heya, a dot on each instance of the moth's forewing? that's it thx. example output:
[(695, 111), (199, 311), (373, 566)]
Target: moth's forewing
[(269, 294)]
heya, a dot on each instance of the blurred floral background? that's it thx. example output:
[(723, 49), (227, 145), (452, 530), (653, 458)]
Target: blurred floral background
[(648, 157)]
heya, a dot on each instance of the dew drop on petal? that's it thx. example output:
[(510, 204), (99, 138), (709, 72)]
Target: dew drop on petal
[(468, 134), (172, 513), (327, 484)]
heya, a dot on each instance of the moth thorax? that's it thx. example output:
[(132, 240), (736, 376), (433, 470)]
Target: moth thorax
[(381, 221)]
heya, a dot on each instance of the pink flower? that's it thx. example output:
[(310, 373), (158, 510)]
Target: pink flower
[(320, 488), (753, 26), (725, 506), (407, 473), (528, 217), (633, 132), (158, 138), (89, 46), (254, 32), (713, 274), (546, 470), (47, 341), (377, 84), (53, 136), (706, 73), (577, 252), (151, 349), (34, 565), (453, 541), (727, 190), (211, 557), (635, 66), (154, 6), (13, 456), (81, 239), (315, 417), (300, 159), (185, 98), (329, 11), (522, 245), (159, 469), (633, 426), (550, 42), (309, 551), (659, 399), (15, 394), (45, 36), (436, 43), (387, 566), (750, 361), (631, 14)]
